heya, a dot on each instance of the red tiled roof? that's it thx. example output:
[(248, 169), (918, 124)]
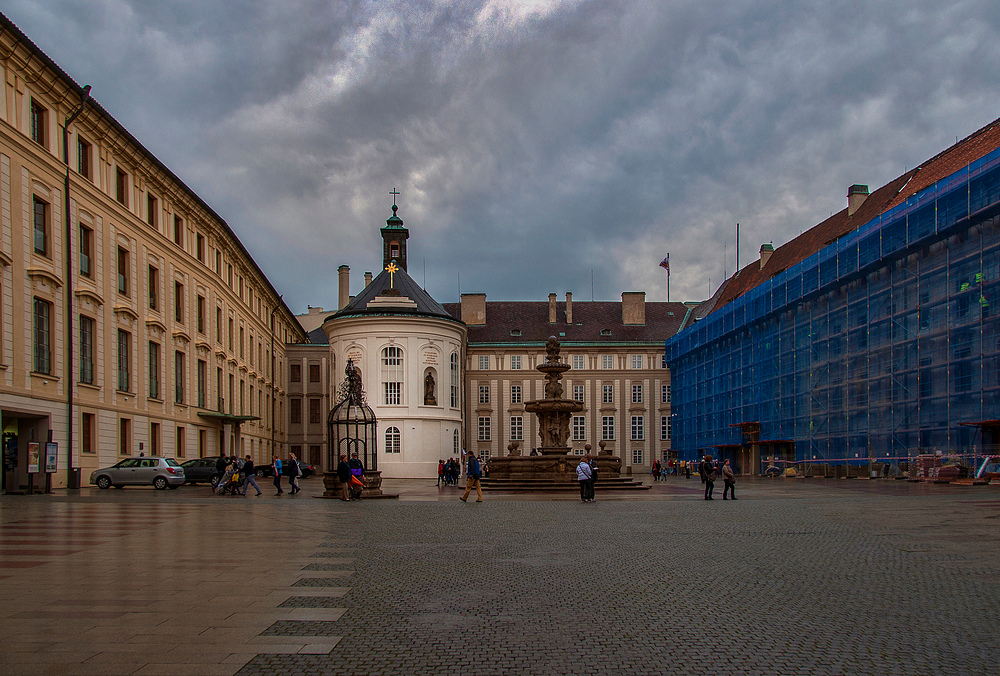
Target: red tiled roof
[(888, 196), (531, 318)]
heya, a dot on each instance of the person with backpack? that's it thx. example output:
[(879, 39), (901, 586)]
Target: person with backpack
[(708, 476), (473, 482), (276, 466)]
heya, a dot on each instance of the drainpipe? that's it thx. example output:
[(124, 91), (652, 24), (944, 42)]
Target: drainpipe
[(85, 96), (274, 390)]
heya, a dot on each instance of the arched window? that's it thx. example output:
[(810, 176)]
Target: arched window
[(392, 440), (454, 380), (392, 376), (456, 451)]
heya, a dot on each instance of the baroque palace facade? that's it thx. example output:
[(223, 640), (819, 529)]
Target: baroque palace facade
[(133, 319)]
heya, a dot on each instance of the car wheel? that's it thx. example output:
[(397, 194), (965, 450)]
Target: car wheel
[(159, 483), (103, 482), (260, 473)]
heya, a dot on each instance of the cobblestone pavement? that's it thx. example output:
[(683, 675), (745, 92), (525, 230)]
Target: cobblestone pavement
[(800, 577)]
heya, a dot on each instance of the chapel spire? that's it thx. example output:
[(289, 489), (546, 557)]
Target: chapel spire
[(394, 237)]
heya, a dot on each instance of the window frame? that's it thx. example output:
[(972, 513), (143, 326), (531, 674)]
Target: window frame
[(40, 214), (485, 428), (154, 370), (87, 325), (41, 336)]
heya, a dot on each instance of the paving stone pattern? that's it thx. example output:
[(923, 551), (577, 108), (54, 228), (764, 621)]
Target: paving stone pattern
[(313, 602), (301, 628), (326, 566), (318, 582), (818, 581)]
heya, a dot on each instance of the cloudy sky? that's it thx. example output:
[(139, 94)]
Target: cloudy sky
[(537, 144)]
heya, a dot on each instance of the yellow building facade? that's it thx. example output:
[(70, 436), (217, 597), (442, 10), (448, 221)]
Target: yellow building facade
[(140, 324)]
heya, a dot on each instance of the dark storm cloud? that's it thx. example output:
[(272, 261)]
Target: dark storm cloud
[(533, 142)]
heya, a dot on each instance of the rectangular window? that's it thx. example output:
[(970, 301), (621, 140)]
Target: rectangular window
[(87, 433), (608, 394), (179, 377), (515, 362), (295, 373), (199, 247), (636, 456), (202, 383), (393, 393), (295, 411), (314, 414), (578, 362), (154, 439), (578, 393), (517, 428), (484, 428), (218, 262), (178, 302), (202, 443), (86, 251), (607, 362), (124, 360), (242, 342), (181, 448), (179, 231), (151, 209), (664, 428), (218, 325), (83, 150), (664, 394), (201, 314), (313, 373), (608, 427), (154, 288), (637, 394), (86, 350), (38, 119), (579, 428), (123, 271), (124, 436), (515, 394), (484, 362), (663, 361), (638, 428), (121, 187), (154, 370), (636, 361), (484, 394), (232, 335), (40, 218), (42, 337)]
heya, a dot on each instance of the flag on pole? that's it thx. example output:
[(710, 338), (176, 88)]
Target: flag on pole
[(665, 264)]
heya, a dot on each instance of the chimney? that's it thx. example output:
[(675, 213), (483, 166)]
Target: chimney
[(344, 273), (474, 309), (765, 254), (856, 196), (634, 308), (368, 279), (569, 307), (552, 308)]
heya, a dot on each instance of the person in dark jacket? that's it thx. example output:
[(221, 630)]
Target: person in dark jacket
[(293, 473), (358, 470), (248, 476), (708, 475), (344, 477), (276, 466), (473, 482)]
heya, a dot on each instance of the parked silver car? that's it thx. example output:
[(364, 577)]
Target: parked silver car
[(160, 472)]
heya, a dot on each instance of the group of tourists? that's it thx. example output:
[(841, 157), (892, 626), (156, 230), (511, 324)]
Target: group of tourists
[(449, 472), (661, 470), (351, 475), (237, 475), (710, 472)]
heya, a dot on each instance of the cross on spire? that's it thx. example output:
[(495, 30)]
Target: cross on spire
[(394, 193)]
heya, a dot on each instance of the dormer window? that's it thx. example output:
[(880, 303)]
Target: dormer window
[(515, 332), (605, 332)]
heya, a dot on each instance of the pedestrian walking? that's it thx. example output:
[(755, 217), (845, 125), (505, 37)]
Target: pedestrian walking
[(584, 473), (357, 475), (344, 477), (729, 481), (227, 476), (248, 479), (687, 469), (276, 466), (473, 480), (708, 475), (440, 472), (293, 473)]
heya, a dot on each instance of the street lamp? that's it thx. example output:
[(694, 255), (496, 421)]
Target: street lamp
[(71, 479)]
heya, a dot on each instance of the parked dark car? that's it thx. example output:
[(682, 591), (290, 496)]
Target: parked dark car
[(305, 469), (201, 470)]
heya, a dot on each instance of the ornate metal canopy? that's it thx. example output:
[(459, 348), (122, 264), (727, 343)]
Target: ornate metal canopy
[(351, 426)]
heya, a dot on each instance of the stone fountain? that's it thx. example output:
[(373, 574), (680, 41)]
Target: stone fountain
[(553, 468)]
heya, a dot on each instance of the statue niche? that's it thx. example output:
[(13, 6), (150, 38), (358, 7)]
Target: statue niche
[(430, 389)]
